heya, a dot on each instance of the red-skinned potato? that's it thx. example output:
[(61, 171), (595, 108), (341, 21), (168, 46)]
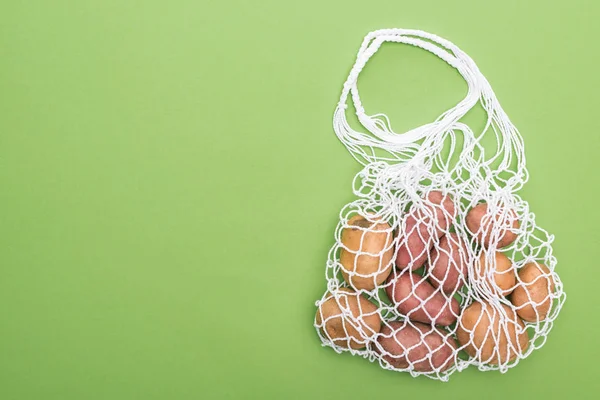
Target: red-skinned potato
[(363, 236), (414, 245), (425, 348), (417, 299), (448, 263), (416, 240), (444, 206), (482, 225)]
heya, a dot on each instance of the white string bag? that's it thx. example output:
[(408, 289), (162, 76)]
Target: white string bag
[(438, 264)]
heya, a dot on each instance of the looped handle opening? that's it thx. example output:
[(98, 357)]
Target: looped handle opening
[(382, 136)]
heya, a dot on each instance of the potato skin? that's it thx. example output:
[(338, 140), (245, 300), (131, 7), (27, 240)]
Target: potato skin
[(416, 240), (489, 335), (340, 329), (480, 224), (414, 246), (424, 347), (503, 274), (446, 204), (448, 267), (533, 291), (414, 297), (363, 235)]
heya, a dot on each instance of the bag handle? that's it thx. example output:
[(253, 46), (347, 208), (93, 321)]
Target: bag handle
[(404, 146)]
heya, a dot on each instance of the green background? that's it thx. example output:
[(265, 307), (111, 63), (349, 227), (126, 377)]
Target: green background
[(170, 182)]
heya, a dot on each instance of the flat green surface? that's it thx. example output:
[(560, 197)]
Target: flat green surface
[(169, 185)]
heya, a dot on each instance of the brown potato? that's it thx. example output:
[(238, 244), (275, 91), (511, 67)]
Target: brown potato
[(448, 263), (418, 300), (503, 276), (364, 236), (482, 225), (531, 296), (416, 240), (490, 343), (425, 348), (342, 330)]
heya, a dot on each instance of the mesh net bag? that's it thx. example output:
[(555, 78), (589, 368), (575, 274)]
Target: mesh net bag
[(438, 264)]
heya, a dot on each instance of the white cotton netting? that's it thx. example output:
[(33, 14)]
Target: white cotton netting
[(438, 264)]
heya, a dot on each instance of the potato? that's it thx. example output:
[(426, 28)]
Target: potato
[(531, 296), (422, 347), (364, 236), (445, 210), (419, 301), (499, 274), (416, 240), (490, 342), (448, 263), (414, 246), (483, 225), (343, 330)]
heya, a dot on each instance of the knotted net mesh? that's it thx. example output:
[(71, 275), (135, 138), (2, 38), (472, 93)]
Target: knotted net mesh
[(438, 264)]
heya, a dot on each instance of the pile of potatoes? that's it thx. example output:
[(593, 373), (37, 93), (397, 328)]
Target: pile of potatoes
[(422, 267)]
